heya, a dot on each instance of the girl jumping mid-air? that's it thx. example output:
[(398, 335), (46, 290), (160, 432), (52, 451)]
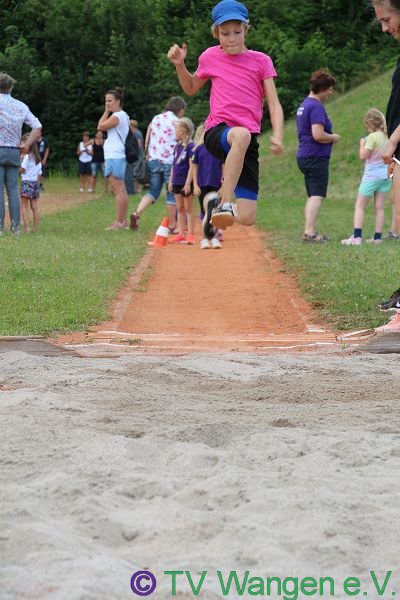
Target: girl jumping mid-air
[(240, 80)]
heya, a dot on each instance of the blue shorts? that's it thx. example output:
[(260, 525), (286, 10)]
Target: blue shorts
[(158, 176), (96, 168), (115, 167), (368, 188), (316, 174)]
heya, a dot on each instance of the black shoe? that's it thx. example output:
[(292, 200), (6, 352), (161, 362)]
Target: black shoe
[(210, 202), (392, 303)]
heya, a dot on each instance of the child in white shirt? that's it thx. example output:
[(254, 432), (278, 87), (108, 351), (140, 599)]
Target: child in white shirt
[(31, 169)]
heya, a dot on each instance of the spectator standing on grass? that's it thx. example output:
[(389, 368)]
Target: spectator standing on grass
[(240, 81), (13, 115), (84, 152), (388, 15), (31, 170), (180, 182), (314, 129), (115, 122), (44, 150), (375, 181), (97, 165), (160, 143), (207, 177)]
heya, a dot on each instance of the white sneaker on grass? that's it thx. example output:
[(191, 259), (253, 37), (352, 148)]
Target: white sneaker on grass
[(352, 241)]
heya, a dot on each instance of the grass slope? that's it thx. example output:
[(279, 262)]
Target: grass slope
[(343, 283)]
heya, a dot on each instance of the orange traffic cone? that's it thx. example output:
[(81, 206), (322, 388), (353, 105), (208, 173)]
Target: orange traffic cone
[(161, 237)]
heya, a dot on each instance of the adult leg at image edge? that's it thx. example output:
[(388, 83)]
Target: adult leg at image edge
[(311, 212), (11, 183), (2, 205)]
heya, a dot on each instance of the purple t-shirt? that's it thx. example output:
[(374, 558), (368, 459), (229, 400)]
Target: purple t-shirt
[(181, 164), (312, 112), (209, 171)]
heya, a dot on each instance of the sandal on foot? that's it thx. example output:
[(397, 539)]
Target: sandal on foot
[(315, 238)]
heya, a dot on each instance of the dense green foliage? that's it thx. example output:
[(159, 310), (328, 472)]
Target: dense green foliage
[(66, 53)]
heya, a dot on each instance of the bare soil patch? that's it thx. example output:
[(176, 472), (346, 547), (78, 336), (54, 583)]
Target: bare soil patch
[(183, 298)]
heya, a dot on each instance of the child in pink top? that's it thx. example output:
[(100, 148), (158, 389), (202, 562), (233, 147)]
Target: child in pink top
[(240, 80)]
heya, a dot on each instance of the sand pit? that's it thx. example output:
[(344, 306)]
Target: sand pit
[(279, 465)]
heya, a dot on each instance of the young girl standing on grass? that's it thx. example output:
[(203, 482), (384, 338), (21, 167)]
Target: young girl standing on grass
[(180, 182), (30, 169), (207, 177), (84, 152), (375, 181)]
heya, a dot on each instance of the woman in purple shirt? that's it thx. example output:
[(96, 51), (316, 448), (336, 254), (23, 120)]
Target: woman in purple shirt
[(315, 136), (13, 114)]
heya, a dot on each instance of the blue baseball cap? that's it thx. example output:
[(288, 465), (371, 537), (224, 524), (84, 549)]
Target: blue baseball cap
[(229, 10)]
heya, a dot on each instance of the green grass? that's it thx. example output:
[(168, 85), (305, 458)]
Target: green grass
[(65, 277), (343, 283)]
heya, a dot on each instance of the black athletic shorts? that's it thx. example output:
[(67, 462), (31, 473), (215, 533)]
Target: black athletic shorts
[(178, 189), (316, 174), (216, 142)]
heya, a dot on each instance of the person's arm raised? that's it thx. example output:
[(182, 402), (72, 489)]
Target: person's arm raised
[(107, 121), (190, 83)]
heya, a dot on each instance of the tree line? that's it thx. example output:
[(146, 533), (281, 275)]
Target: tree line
[(65, 54)]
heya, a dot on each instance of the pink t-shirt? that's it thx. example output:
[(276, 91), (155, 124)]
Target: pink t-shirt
[(237, 92)]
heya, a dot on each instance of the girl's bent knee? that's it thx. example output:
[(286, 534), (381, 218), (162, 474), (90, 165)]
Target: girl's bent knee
[(247, 220), (240, 136)]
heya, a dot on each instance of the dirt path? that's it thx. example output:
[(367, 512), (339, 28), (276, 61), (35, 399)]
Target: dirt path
[(182, 298)]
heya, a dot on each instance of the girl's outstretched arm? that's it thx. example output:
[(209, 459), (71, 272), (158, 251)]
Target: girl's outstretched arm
[(276, 115), (190, 83)]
